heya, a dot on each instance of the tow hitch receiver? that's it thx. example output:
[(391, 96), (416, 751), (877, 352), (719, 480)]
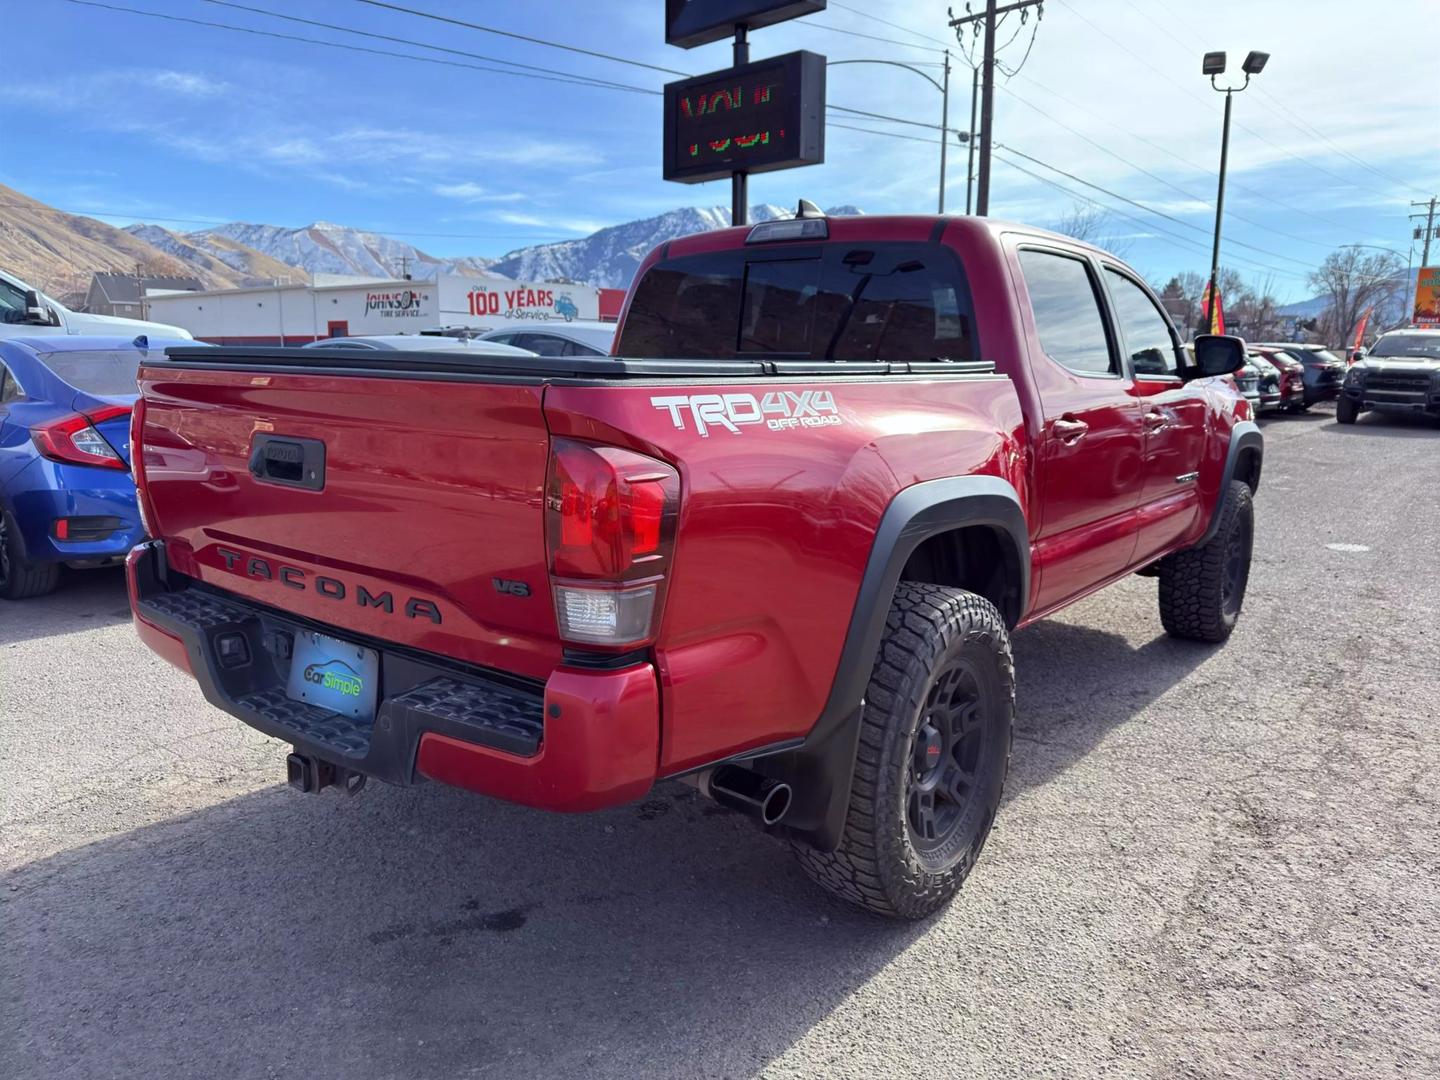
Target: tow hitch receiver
[(310, 775)]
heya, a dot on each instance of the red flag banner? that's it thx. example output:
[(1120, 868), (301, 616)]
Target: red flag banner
[(1360, 330), (1214, 314)]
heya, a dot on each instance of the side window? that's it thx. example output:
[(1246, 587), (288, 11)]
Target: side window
[(12, 303), (1146, 333), (544, 344), (574, 348), (1067, 312), (9, 388)]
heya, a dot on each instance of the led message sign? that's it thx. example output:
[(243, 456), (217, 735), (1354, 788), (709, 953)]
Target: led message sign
[(694, 22), (753, 118)]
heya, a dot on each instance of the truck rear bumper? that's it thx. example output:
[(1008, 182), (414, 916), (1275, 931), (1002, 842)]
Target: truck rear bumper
[(582, 741)]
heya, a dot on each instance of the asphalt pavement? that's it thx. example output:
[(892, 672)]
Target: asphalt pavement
[(1210, 862)]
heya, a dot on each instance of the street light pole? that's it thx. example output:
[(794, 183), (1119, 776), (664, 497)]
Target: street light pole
[(1219, 208), (970, 170), (1214, 65), (944, 128), (944, 106)]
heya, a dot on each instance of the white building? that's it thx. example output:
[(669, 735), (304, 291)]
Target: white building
[(295, 314)]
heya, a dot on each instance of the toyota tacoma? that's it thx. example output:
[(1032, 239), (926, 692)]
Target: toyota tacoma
[(775, 545)]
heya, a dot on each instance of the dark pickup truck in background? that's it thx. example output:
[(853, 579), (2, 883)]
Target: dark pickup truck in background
[(776, 545)]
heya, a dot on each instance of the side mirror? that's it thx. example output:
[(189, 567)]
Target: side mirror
[(1359, 354), (37, 312), (1217, 354)]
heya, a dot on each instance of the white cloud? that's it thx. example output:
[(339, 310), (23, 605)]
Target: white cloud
[(582, 226), (473, 193)]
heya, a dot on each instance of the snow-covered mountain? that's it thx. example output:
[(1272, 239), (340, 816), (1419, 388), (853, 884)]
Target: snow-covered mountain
[(610, 257), (218, 260), (325, 248), (605, 258)]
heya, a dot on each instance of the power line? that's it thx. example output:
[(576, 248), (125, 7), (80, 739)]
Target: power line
[(416, 44), (868, 37), (1147, 209), (1162, 148), (1160, 179), (576, 80), (886, 22), (1298, 122), (1187, 90), (517, 36)]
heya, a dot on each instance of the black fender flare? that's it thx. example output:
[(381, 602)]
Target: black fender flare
[(820, 769), (1245, 436)]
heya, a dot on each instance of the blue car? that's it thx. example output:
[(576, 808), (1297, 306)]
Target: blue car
[(66, 495)]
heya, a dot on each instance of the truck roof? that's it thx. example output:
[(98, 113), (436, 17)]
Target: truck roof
[(874, 228)]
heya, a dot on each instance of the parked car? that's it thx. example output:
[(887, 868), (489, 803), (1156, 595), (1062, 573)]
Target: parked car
[(1247, 381), (560, 339), (776, 545), (1399, 373), (1292, 377), (1324, 371), (1267, 384), (27, 312), (66, 494), (416, 343)]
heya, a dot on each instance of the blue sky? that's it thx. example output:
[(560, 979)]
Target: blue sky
[(137, 118)]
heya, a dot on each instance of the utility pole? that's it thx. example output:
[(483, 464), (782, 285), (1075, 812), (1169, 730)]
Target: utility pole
[(970, 169), (944, 128), (1429, 216), (739, 182), (987, 90), (404, 267)]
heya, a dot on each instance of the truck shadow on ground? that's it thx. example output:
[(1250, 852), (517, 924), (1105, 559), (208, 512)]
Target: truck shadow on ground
[(424, 932), (86, 599)]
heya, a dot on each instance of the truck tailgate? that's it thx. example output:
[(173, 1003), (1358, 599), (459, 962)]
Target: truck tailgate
[(404, 509)]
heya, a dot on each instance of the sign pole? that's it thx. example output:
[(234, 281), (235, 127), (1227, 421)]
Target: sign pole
[(739, 182)]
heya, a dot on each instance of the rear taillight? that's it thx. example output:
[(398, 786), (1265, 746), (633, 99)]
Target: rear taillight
[(74, 440), (610, 520)]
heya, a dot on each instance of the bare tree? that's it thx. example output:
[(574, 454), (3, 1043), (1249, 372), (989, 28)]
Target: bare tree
[(1352, 280), (1094, 226)]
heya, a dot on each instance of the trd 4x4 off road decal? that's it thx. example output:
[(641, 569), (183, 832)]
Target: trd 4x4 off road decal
[(777, 410)]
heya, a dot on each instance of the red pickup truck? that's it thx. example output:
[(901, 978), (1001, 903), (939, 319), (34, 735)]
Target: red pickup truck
[(776, 545)]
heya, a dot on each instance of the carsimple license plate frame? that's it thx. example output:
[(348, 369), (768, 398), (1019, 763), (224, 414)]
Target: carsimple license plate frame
[(334, 674)]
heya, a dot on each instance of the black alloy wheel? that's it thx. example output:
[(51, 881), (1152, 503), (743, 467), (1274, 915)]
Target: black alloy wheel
[(946, 752)]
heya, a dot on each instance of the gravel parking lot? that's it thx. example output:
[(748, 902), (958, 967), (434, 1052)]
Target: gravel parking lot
[(1210, 861)]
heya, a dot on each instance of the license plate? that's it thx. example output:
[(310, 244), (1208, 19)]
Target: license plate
[(334, 675)]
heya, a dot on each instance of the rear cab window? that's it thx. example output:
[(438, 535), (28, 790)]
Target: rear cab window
[(1065, 302), (839, 302)]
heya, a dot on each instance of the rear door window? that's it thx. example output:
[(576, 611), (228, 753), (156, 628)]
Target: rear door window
[(881, 302), (1066, 307)]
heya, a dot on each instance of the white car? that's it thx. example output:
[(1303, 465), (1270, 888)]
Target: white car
[(416, 342), (27, 312), (559, 339)]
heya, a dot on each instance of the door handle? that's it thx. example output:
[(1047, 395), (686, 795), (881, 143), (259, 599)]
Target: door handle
[(1068, 430), (1154, 421)]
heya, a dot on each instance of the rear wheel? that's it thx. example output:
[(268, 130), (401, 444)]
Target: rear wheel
[(18, 578), (1202, 589), (933, 753), (1346, 410)]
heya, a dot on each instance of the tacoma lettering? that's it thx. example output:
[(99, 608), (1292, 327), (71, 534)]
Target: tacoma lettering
[(331, 588)]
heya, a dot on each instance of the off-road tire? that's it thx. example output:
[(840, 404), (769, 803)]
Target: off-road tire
[(1346, 410), (931, 632), (20, 579), (1195, 600)]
